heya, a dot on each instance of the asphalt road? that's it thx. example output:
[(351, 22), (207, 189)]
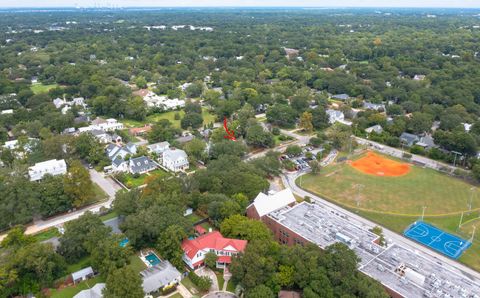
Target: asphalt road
[(289, 181)]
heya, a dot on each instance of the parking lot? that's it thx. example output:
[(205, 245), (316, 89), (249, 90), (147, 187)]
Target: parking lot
[(301, 161)]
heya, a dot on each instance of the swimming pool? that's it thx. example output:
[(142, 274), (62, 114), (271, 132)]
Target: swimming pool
[(152, 259), (124, 242)]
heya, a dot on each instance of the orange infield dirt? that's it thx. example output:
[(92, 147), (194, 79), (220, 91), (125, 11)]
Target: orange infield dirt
[(374, 164)]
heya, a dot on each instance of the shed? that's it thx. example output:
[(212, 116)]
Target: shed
[(82, 274)]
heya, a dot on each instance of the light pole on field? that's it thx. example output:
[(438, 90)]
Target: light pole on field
[(423, 211), (455, 158), (460, 223), (472, 190), (473, 234), (359, 189)]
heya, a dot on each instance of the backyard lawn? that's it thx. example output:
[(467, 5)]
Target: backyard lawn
[(40, 88), (170, 115), (136, 263), (85, 262), (108, 216), (71, 291), (46, 234), (189, 285)]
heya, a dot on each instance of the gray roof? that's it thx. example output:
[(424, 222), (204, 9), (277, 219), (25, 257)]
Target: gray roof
[(82, 273), (373, 106), (141, 164), (427, 141), (97, 132), (174, 154), (409, 138), (114, 224), (118, 161), (158, 146), (159, 276), (342, 96), (184, 139), (376, 128), (94, 292)]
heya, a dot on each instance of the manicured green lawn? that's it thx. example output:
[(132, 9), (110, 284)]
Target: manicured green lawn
[(40, 88), (193, 218), (170, 115), (136, 263), (47, 234), (189, 285), (220, 279), (131, 181), (108, 216), (176, 295), (400, 195), (159, 173), (71, 291), (100, 195), (85, 262)]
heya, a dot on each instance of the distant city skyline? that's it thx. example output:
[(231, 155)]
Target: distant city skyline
[(242, 3)]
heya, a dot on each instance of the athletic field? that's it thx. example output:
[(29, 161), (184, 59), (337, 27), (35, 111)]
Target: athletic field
[(351, 184)]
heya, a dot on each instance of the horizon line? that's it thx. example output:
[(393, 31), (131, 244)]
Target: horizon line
[(237, 6)]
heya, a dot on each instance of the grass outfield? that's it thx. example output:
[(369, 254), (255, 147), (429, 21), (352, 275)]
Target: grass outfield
[(399, 195), (390, 197)]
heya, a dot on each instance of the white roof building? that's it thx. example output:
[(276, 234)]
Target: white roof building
[(158, 148), (264, 204), (100, 124), (52, 167), (175, 160), (161, 101)]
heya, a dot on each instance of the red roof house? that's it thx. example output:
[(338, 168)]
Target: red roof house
[(194, 250), (140, 130)]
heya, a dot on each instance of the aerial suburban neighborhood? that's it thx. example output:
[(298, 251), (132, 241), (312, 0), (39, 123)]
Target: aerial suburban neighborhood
[(229, 152)]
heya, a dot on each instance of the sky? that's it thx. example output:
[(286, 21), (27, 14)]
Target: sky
[(223, 3)]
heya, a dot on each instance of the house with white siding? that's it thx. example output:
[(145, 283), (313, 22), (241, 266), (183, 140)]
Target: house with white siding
[(50, 167)]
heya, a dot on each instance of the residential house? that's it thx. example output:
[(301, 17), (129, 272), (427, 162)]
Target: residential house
[(158, 148), (141, 165), (175, 160), (159, 276), (114, 150), (185, 139), (378, 129), (341, 97), (6, 112), (102, 136), (335, 116), (427, 142), (82, 275), (409, 139), (119, 164), (373, 106), (58, 102), (418, 77), (101, 124), (136, 131), (52, 167), (264, 204), (161, 101), (195, 249), (94, 292)]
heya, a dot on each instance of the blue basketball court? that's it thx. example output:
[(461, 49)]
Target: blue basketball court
[(443, 242)]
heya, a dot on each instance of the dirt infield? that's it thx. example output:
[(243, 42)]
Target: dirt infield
[(377, 165)]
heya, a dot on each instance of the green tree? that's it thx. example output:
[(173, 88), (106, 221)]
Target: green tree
[(314, 166), (196, 149), (294, 150), (306, 122), (193, 120), (238, 226), (81, 236), (258, 137), (123, 282), (78, 185), (211, 260), (170, 245), (260, 291), (141, 82), (107, 255), (16, 238), (281, 115)]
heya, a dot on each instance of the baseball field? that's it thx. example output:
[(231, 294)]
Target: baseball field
[(393, 193)]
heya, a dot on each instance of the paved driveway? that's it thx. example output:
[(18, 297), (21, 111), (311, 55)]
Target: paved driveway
[(209, 273)]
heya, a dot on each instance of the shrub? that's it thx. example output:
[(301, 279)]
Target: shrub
[(203, 283), (276, 131)]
